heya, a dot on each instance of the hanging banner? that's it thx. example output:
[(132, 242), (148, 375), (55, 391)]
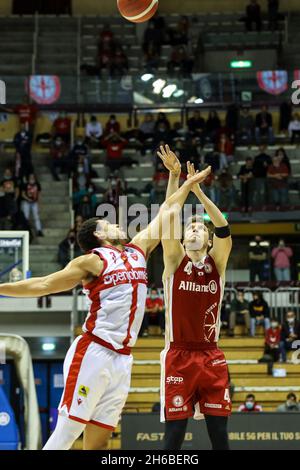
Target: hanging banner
[(44, 89), (273, 82)]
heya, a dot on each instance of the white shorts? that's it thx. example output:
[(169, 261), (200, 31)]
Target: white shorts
[(96, 383)]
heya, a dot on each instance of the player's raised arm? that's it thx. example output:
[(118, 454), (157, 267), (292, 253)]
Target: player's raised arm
[(172, 163), (77, 270), (222, 241)]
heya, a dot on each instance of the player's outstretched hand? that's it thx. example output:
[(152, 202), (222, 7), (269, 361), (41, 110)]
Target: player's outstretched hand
[(170, 160), (196, 177)]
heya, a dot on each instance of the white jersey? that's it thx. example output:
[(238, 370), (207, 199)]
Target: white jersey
[(117, 297)]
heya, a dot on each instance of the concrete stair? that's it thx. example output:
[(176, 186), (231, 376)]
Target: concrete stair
[(55, 217)]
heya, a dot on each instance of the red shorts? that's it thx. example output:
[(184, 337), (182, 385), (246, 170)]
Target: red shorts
[(194, 382)]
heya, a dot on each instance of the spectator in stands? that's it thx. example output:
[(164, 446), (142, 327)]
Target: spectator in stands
[(209, 188), (273, 14), (181, 62), (258, 256), (282, 261), (213, 125), (85, 207), (178, 132), (147, 127), (259, 312), (78, 194), (81, 179), (78, 223), (112, 125), (10, 183), (283, 158), (239, 310), (93, 132), (290, 332), (190, 151), (246, 178), (250, 405), (294, 128), (154, 310), (79, 155), (162, 119), (30, 201), (114, 145), (58, 153), (260, 169), (290, 406), (160, 182), (253, 15), (119, 65), (196, 126), (27, 113), (272, 341), (23, 142), (226, 151), (9, 194), (161, 136), (277, 175), (62, 127), (116, 188), (106, 35), (151, 58), (245, 126), (225, 189), (179, 36), (68, 249), (153, 39), (264, 125), (213, 159)]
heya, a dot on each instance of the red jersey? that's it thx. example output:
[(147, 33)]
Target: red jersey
[(193, 298), (272, 336), (62, 126), (154, 303), (26, 112), (115, 149)]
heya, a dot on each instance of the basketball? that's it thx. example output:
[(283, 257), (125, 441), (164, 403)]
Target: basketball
[(137, 11)]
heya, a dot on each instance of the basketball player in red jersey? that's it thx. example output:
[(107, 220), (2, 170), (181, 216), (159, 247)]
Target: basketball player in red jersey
[(194, 378), (97, 368)]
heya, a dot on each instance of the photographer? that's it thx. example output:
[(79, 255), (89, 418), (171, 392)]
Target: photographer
[(282, 264)]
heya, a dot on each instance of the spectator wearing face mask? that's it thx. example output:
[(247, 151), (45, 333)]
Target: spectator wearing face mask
[(23, 163), (282, 261), (272, 340), (259, 312), (90, 191), (250, 405), (239, 308), (68, 249), (93, 131), (58, 154), (112, 126), (79, 155), (62, 128), (294, 128), (154, 313), (30, 202), (290, 332), (290, 406), (258, 254)]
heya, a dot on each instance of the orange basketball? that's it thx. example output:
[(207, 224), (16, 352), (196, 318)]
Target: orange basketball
[(137, 11)]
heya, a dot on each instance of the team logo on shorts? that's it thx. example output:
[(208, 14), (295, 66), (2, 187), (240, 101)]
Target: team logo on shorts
[(177, 401), (208, 268), (83, 391)]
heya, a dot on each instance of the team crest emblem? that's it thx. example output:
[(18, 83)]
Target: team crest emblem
[(134, 256), (177, 401), (208, 268), (212, 287), (273, 82), (83, 391)]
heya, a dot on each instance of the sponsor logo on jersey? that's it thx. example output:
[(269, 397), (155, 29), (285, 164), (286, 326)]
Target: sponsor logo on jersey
[(212, 287), (208, 268), (174, 380), (212, 405), (178, 401), (121, 276), (181, 408), (83, 391)]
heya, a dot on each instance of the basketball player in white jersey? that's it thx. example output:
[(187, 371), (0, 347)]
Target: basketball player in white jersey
[(97, 368)]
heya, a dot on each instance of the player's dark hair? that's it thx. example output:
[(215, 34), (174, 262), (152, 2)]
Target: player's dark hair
[(250, 395), (85, 236)]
